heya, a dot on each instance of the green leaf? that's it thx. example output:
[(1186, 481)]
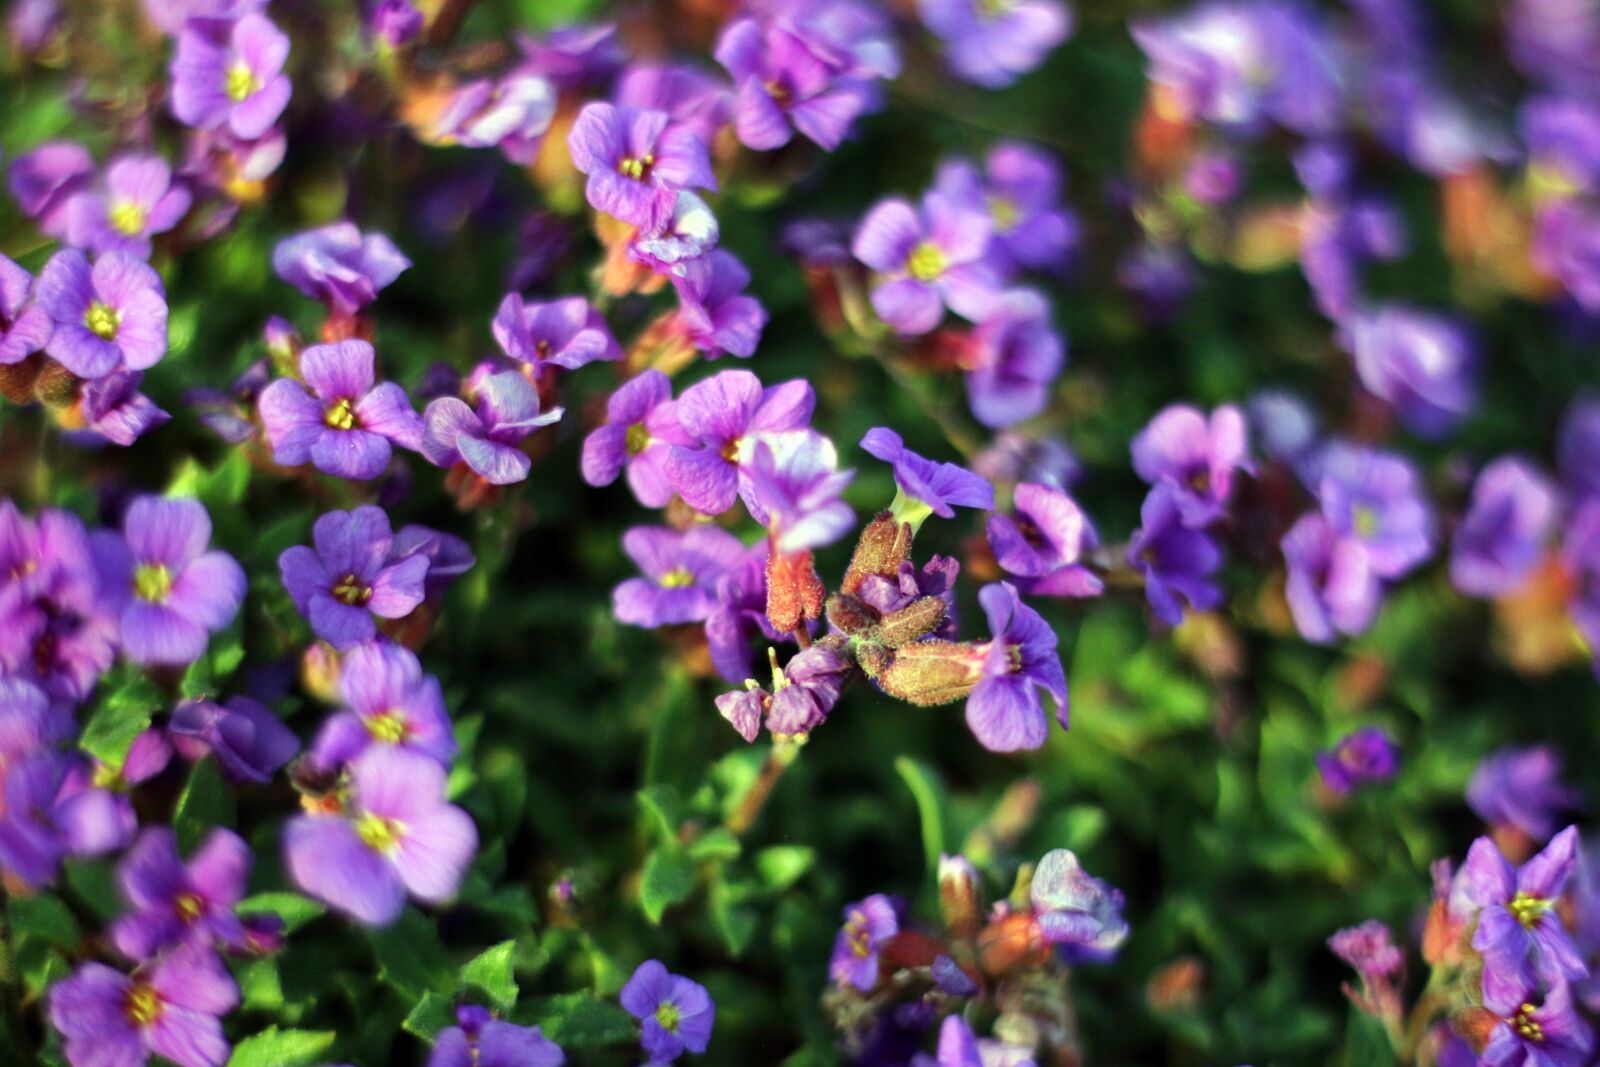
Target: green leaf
[(579, 1020), (294, 909), (715, 846), (735, 922), (282, 1048), (492, 973), (206, 803), (43, 915), (120, 717), (668, 879), (411, 958), (431, 1014), (929, 795), (661, 802), (781, 866)]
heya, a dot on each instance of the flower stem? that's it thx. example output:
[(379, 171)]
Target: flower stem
[(783, 753)]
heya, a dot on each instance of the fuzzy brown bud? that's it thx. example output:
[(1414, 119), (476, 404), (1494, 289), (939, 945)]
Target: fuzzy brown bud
[(882, 547), (959, 902), (913, 622), (56, 387), (17, 379), (852, 617), (930, 673), (794, 592)]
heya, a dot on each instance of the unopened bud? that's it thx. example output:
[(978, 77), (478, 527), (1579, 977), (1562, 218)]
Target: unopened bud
[(930, 673), (882, 547), (1011, 944), (959, 902), (56, 387), (913, 622), (851, 617), (17, 379), (794, 592)]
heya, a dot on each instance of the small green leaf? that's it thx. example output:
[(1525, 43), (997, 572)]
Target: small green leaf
[(781, 866), (282, 1048), (294, 909), (432, 1014), (735, 922), (578, 1020), (206, 803), (661, 802), (929, 795), (492, 973), (120, 717), (715, 846), (43, 915), (668, 879), (411, 958)]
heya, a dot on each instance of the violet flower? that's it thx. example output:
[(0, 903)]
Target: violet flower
[(1018, 356), (169, 589), (715, 312), (993, 42), (640, 429), (1376, 498), (173, 903), (689, 233), (806, 690), (681, 573), (1020, 191), (486, 439), (512, 114), (339, 420), (25, 327), (1514, 509), (924, 486), (1367, 755), (171, 1009), (339, 265), (566, 333), (637, 161), (792, 488), (351, 575), (887, 595), (869, 924), (722, 415), (1522, 788), (1177, 562), (690, 96), (44, 182), (111, 315), (1368, 948), (139, 202), (926, 259), (396, 835), (231, 74), (480, 1040), (1547, 1034), (1194, 457), (1423, 364), (1042, 546), (1331, 587), (1075, 909), (1004, 710), (1518, 930), (738, 614), (248, 740), (50, 813), (387, 701), (114, 409), (677, 1014), (783, 85)]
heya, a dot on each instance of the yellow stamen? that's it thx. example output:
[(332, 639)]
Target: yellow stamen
[(152, 582), (1004, 212), (378, 833), (1365, 520), (637, 167), (387, 728), (189, 906), (677, 578), (102, 320), (926, 262), (667, 1014), (638, 439), (128, 218), (341, 416), (142, 1006), (351, 591), (241, 82)]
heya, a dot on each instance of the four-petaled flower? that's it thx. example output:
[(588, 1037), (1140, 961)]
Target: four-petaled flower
[(351, 575), (677, 1014), (343, 424), (869, 924)]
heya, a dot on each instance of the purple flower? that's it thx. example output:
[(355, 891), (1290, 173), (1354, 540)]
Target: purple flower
[(640, 429), (1020, 191), (396, 835), (1566, 246), (1176, 561), (512, 114), (740, 612), (1423, 364), (248, 740), (677, 1013), (1580, 552), (1043, 544), (1018, 355), (170, 16), (1517, 917), (681, 573), (637, 161), (339, 265), (1522, 787), (869, 924), (744, 708), (1375, 498), (139, 202), (51, 811), (793, 486), (1514, 508), (45, 181), (395, 22), (1331, 587), (170, 1009), (1004, 710), (1562, 136), (1367, 755), (926, 260), (1549, 1034), (689, 233), (1194, 457), (25, 327), (716, 313), (230, 74), (783, 85), (993, 42), (805, 691), (486, 439), (343, 424), (113, 408), (351, 575), (1074, 908), (926, 486), (1017, 457), (109, 316), (448, 556), (1554, 42), (29, 721), (480, 1040), (387, 701), (174, 903), (722, 415), (572, 55), (690, 96), (170, 591), (566, 333), (1578, 447), (888, 595), (1369, 949)]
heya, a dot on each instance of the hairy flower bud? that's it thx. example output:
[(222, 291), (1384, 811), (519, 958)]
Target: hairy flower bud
[(959, 896), (913, 622), (17, 379), (930, 673), (882, 547), (56, 387), (851, 617), (794, 592), (1010, 944)]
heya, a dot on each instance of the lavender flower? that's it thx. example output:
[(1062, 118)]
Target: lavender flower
[(888, 594), (170, 591), (1075, 909), (343, 424), (1176, 561), (688, 234), (924, 486), (1423, 364), (1018, 356), (1369, 949), (25, 327), (740, 612), (351, 575), (50, 812), (387, 701), (566, 334), (681, 572), (715, 312), (174, 903), (394, 22), (993, 42), (1043, 544), (339, 265), (114, 409), (1004, 710), (1517, 918), (56, 628), (805, 691), (1367, 755), (1194, 457), (722, 415), (139, 202), (690, 96), (248, 740), (486, 439), (396, 835), (44, 182), (171, 1009), (1020, 191), (783, 84), (109, 316), (480, 1040), (230, 74), (677, 1014), (637, 161), (1522, 788), (1331, 586), (1514, 508), (869, 924), (640, 429), (1374, 497), (512, 114), (926, 259), (1529, 1035), (793, 486)]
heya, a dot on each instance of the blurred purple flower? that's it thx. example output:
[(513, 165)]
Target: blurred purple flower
[(716, 312), (480, 1040), (1522, 787), (172, 903), (511, 114), (1075, 909), (783, 84), (1018, 354), (114, 408), (792, 487), (44, 182), (681, 573), (1514, 509), (677, 1013), (387, 700), (1194, 457), (640, 429), (926, 258), (566, 333), (25, 327), (1376, 498), (1424, 364), (339, 265), (637, 160), (1177, 562), (248, 740), (1366, 755), (869, 924), (230, 73), (1331, 587), (171, 1009), (486, 439), (1020, 191), (139, 201), (1042, 546), (993, 42)]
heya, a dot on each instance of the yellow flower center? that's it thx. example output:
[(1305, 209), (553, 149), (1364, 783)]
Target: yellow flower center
[(378, 833), (1365, 520), (667, 1014), (993, 9), (341, 416), (638, 439), (152, 582), (856, 933), (351, 591), (1004, 212), (142, 1006), (1526, 1025), (926, 262), (388, 728), (189, 906), (128, 218), (1527, 909), (637, 167), (108, 777), (241, 82), (102, 320), (677, 578)]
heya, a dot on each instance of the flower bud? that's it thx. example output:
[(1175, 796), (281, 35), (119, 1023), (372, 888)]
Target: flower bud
[(851, 617), (913, 622), (17, 379), (1010, 944), (882, 547), (930, 673), (959, 896), (794, 592)]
